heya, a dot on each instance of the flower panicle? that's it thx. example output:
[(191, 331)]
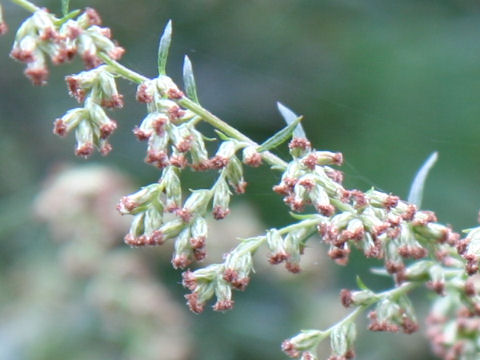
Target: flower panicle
[(97, 90), (379, 224), (42, 36)]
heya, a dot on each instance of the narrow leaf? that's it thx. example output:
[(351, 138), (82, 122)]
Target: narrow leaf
[(280, 137), (72, 14), (163, 48), (361, 285), (222, 136), (189, 80), (65, 7), (302, 216), (290, 117), (379, 271), (416, 189)]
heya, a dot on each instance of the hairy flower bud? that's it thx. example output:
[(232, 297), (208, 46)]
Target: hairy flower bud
[(234, 174), (251, 156), (342, 339), (306, 340), (138, 201), (221, 199), (276, 245)]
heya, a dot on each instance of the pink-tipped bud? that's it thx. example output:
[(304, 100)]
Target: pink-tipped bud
[(38, 75)]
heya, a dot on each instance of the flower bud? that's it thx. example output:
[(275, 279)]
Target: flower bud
[(69, 121), (99, 84), (221, 199), (223, 292), (437, 276), (167, 88), (199, 231), (151, 223), (37, 70), (276, 246), (238, 266), (224, 153), (251, 156), (85, 140), (321, 200), (196, 203), (408, 245), (134, 236), (393, 261), (234, 174), (306, 340), (299, 147), (382, 200), (196, 300), (173, 188), (138, 201), (183, 255), (146, 91), (342, 339), (294, 245), (157, 151), (102, 42), (198, 152), (362, 297)]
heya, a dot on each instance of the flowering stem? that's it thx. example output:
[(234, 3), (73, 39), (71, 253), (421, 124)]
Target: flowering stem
[(403, 289), (229, 130), (27, 5), (206, 115), (121, 70)]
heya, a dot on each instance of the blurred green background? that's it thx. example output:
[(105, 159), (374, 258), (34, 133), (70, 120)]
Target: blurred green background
[(385, 82)]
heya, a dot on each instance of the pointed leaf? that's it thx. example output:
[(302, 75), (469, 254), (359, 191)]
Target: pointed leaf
[(416, 189), (222, 136), (163, 48), (302, 216), (189, 80), (280, 137), (379, 271), (361, 285), (72, 14), (290, 117), (65, 7)]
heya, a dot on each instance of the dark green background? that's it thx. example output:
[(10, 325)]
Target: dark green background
[(385, 82)]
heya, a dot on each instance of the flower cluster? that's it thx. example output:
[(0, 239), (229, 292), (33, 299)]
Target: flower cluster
[(469, 249), (414, 247), (303, 345), (42, 36), (97, 90), (159, 210), (453, 325), (286, 244), (379, 224)]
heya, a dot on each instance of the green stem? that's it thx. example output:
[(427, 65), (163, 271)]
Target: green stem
[(228, 130), (394, 293), (402, 289), (347, 319), (185, 102), (27, 5), (121, 70), (206, 115)]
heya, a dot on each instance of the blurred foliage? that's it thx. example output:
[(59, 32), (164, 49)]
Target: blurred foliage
[(385, 82)]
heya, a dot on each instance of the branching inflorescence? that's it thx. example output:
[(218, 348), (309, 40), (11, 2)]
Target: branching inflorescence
[(415, 249)]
